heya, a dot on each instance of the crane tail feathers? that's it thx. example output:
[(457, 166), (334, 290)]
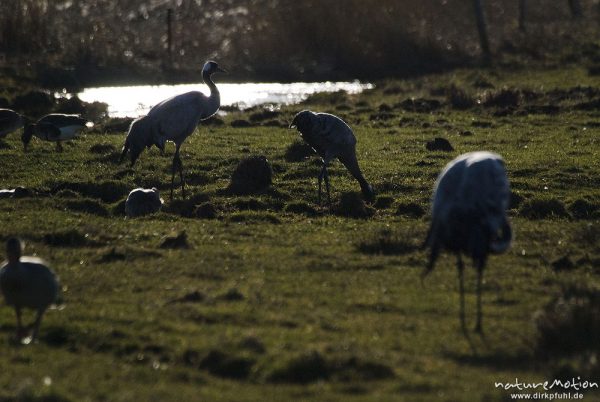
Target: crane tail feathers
[(502, 244)]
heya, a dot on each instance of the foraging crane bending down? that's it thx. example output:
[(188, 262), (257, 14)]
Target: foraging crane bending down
[(331, 138), (468, 216), (10, 121), (26, 282), (54, 127), (174, 120)]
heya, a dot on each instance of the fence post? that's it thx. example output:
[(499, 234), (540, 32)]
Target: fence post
[(482, 29)]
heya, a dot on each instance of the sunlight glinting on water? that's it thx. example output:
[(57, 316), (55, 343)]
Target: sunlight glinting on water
[(135, 101)]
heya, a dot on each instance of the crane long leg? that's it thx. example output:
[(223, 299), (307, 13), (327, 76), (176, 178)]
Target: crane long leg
[(36, 325), (59, 147), (19, 325), (321, 175), (327, 184), (478, 327), (461, 285), (180, 164), (173, 173)]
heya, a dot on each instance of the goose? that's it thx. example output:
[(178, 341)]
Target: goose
[(54, 127), (468, 216), (10, 121), (174, 120), (26, 282), (142, 201), (331, 138)]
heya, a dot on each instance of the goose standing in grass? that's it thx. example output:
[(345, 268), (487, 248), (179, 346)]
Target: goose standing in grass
[(54, 127), (9, 122), (174, 120), (141, 201), (331, 138), (26, 282), (468, 216)]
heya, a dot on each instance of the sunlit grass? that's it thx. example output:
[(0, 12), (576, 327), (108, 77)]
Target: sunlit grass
[(275, 282)]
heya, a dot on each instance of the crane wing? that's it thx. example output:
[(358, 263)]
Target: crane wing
[(177, 117), (334, 130)]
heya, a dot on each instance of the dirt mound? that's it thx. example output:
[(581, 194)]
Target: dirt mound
[(107, 191), (176, 242), (458, 98), (419, 105), (87, 206), (298, 151), (300, 208), (505, 97), (583, 209), (383, 202), (570, 324), (118, 125), (439, 144), (254, 217), (410, 209), (388, 243), (351, 204), (206, 210), (264, 115), (241, 123), (312, 366), (67, 238), (220, 363), (542, 208), (252, 175), (102, 148), (187, 207)]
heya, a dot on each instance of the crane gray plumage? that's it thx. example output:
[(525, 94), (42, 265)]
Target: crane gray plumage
[(54, 127), (10, 121), (142, 201), (26, 282), (468, 216), (330, 137), (174, 120)]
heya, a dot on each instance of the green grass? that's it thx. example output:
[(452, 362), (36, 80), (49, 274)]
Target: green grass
[(267, 293)]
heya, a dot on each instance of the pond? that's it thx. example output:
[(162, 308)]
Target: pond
[(135, 101)]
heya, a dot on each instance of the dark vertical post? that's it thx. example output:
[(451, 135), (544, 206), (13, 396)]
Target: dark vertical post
[(576, 10), (170, 36), (482, 29), (522, 14)]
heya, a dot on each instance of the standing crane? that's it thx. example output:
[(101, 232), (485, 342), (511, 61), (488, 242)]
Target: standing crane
[(26, 282), (174, 120), (330, 137), (468, 216)]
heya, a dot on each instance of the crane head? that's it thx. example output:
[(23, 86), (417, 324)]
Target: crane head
[(211, 67), (27, 134), (302, 121), (14, 249), (134, 152)]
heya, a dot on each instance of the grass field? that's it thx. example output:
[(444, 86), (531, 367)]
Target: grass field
[(278, 299)]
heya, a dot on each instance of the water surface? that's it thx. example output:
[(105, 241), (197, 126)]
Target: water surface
[(137, 100)]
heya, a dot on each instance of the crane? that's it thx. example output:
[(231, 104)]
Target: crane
[(173, 119), (331, 138), (468, 216)]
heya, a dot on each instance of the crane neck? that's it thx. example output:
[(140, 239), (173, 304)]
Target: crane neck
[(214, 100), (214, 92), (13, 260)]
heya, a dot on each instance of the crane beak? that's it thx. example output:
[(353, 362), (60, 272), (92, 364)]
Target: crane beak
[(221, 70)]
